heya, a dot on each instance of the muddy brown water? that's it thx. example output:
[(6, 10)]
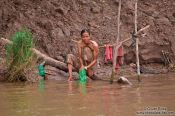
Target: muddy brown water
[(97, 98)]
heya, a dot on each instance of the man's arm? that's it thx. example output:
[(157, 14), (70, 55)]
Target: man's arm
[(95, 53), (80, 54)]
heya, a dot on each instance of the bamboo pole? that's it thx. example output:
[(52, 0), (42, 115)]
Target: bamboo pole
[(117, 42), (137, 41), (49, 61)]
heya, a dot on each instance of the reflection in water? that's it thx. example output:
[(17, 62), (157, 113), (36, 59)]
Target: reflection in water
[(106, 101), (41, 85), (97, 99), (82, 87), (70, 92), (138, 94)]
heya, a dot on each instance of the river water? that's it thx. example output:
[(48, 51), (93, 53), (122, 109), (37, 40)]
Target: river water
[(96, 98)]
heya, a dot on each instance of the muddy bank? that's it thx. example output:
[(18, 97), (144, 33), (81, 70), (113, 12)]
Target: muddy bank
[(2, 73), (54, 23), (103, 72)]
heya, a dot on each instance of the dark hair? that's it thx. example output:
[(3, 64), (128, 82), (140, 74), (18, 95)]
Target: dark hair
[(85, 30)]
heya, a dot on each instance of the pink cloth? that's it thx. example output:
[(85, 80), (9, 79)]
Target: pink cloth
[(108, 53), (119, 62), (119, 58), (120, 51)]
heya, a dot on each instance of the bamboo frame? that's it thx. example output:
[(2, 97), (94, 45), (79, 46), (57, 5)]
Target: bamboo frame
[(129, 38)]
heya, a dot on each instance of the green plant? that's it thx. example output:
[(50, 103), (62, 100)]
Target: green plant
[(19, 56)]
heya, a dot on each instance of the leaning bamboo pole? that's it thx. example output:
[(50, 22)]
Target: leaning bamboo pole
[(137, 41), (49, 61), (117, 42)]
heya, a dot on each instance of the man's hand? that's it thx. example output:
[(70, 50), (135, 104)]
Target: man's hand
[(85, 68), (82, 67), (70, 78)]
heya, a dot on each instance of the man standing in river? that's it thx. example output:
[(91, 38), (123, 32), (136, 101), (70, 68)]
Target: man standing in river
[(87, 55)]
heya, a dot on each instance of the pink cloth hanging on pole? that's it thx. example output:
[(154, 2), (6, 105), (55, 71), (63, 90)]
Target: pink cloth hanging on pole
[(108, 53), (120, 51), (119, 58)]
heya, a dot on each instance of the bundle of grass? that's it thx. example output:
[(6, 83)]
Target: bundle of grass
[(19, 57)]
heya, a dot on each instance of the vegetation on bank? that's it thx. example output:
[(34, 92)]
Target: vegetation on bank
[(19, 56)]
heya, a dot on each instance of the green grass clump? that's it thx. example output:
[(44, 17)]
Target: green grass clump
[(19, 55)]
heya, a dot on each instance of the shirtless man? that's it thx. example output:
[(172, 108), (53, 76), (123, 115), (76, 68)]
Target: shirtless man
[(87, 55)]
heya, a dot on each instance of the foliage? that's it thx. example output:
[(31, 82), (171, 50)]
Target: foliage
[(19, 56)]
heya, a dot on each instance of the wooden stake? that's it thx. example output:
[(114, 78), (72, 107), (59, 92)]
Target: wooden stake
[(137, 41), (117, 42)]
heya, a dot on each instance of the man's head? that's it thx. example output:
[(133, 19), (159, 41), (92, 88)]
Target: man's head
[(85, 35)]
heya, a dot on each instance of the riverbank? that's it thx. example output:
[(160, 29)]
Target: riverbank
[(103, 72)]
